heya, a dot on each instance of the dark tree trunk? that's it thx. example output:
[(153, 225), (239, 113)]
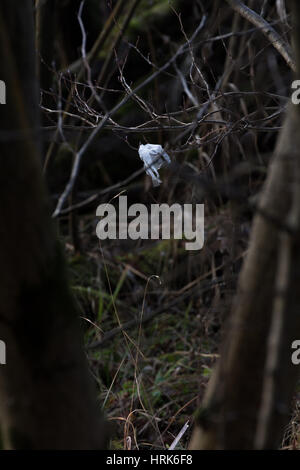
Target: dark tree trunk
[(248, 399), (47, 398)]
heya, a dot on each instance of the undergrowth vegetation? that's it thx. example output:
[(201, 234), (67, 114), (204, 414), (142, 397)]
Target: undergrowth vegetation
[(217, 108), (152, 376)]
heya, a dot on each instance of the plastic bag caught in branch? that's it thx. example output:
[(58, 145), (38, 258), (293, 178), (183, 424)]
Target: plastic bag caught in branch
[(154, 157)]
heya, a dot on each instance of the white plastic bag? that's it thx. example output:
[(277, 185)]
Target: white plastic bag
[(154, 157)]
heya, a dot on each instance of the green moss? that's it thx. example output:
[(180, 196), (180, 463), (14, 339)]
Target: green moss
[(146, 14), (152, 259), (116, 445)]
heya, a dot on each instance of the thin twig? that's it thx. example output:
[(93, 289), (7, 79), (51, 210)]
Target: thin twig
[(78, 156), (282, 47), (149, 315)]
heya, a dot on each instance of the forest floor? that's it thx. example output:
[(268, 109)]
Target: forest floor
[(152, 377)]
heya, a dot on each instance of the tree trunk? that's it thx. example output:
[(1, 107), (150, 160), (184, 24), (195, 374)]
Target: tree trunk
[(248, 399), (47, 399)]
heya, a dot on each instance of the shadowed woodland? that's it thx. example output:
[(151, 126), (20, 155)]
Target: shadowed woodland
[(142, 344)]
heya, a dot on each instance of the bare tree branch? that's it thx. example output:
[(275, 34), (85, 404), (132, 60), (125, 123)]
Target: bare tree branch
[(265, 27)]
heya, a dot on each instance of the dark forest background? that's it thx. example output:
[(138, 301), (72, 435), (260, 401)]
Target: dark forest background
[(121, 343)]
